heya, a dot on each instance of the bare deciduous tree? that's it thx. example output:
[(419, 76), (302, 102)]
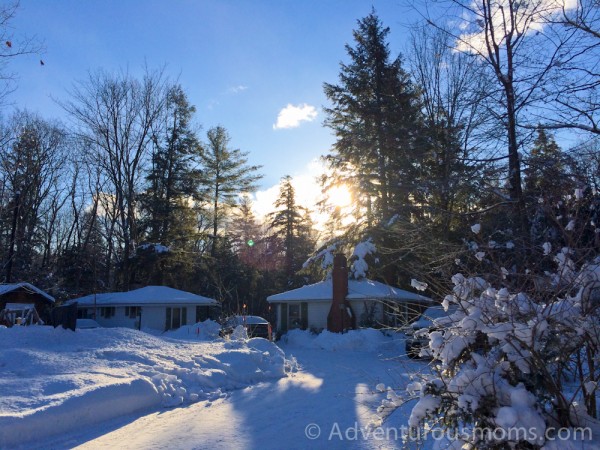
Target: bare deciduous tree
[(574, 94), (114, 115), (33, 162), (510, 40)]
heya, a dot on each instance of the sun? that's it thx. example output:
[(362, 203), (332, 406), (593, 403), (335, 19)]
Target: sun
[(339, 195)]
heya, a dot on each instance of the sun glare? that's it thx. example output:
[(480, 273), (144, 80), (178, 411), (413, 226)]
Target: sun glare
[(339, 196)]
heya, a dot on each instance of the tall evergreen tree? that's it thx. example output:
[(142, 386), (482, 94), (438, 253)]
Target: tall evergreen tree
[(545, 168), (375, 117), (547, 178), (174, 175), (291, 225), (226, 175), (245, 233)]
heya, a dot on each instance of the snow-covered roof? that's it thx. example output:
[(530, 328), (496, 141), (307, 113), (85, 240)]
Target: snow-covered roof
[(6, 288), (149, 295), (357, 290)]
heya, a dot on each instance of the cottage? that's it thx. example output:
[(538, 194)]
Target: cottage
[(339, 304), (154, 307), (24, 301)]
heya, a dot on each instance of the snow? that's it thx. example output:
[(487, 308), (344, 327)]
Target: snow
[(360, 267), (55, 381), (106, 388), (5, 288), (357, 290), (356, 340), (326, 256), (476, 228), (156, 248), (149, 295), (418, 285), (203, 331), (547, 246)]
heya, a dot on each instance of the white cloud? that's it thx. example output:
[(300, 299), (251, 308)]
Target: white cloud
[(291, 116), (237, 89), (530, 17)]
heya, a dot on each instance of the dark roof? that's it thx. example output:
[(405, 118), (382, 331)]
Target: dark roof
[(6, 288)]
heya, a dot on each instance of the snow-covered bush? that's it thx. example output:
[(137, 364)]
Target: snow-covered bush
[(519, 359)]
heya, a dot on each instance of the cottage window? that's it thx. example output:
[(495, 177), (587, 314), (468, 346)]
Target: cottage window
[(175, 318), (202, 313), (295, 316), (107, 311), (132, 311)]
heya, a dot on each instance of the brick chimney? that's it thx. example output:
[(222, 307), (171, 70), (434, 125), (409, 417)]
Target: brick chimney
[(340, 317)]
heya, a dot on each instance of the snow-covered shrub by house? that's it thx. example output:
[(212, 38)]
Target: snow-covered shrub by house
[(505, 361), (518, 361)]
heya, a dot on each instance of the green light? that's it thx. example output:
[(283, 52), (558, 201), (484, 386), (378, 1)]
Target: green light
[(250, 242)]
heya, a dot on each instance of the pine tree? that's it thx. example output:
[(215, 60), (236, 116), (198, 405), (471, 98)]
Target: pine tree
[(547, 179), (375, 117), (292, 226), (545, 168), (168, 202), (245, 233), (226, 175), (174, 176)]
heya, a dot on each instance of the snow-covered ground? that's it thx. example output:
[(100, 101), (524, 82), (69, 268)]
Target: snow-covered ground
[(329, 390), (114, 388), (119, 388), (55, 381)]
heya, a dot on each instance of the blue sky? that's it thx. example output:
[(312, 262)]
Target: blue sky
[(240, 61)]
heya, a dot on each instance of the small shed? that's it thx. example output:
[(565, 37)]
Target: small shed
[(24, 296), (155, 307)]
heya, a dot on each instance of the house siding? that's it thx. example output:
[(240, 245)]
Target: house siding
[(365, 317), (155, 317), (317, 315), (152, 317), (368, 312)]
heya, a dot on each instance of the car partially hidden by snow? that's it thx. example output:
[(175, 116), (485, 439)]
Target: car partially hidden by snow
[(255, 326), (86, 323), (432, 319)]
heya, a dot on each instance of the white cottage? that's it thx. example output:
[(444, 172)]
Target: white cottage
[(366, 302), (154, 307)]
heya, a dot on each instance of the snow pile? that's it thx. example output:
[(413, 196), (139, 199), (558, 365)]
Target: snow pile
[(240, 333), (201, 331), (367, 339), (55, 381)]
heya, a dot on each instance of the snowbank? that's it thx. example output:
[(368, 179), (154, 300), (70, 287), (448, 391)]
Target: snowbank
[(366, 339), (55, 380), (202, 331)]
